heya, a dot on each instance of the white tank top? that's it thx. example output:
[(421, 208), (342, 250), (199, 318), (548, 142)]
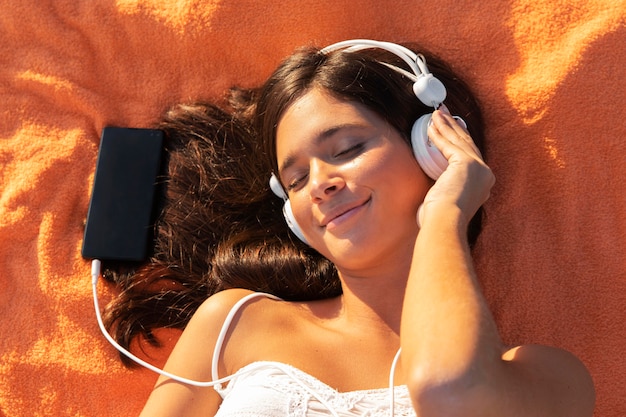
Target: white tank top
[(273, 389)]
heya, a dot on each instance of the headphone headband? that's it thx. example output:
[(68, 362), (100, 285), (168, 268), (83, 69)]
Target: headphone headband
[(427, 88), (408, 56)]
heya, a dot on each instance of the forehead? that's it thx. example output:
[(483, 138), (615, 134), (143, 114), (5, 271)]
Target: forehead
[(313, 107), (316, 116)]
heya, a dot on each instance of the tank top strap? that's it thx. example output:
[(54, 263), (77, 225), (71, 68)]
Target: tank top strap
[(227, 322)]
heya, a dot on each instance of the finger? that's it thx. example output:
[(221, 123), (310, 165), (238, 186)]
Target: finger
[(444, 131), (446, 119), (446, 128), (458, 122)]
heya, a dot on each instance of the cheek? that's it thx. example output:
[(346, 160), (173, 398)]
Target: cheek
[(404, 182), (401, 166)]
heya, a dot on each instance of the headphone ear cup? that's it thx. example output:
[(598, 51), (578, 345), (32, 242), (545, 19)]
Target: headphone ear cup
[(276, 188), (428, 156), (292, 223)]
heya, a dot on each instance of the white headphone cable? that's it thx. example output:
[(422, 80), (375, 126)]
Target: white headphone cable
[(95, 273)]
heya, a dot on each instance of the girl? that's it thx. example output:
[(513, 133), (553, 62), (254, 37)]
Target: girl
[(336, 128)]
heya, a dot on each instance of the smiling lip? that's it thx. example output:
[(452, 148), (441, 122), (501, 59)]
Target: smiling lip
[(341, 214)]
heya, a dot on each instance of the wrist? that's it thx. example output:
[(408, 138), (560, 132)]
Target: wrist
[(441, 215)]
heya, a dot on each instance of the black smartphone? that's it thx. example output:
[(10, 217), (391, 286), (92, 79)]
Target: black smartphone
[(121, 209)]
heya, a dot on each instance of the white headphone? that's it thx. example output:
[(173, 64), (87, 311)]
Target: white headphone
[(428, 89)]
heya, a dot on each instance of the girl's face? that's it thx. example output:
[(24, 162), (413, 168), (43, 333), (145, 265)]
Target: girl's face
[(352, 180)]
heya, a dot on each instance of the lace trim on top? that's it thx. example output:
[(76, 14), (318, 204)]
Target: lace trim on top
[(270, 389)]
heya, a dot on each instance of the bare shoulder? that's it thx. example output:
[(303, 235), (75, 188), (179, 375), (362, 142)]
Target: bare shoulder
[(222, 306), (233, 320), (192, 359), (202, 331), (237, 308), (219, 305)]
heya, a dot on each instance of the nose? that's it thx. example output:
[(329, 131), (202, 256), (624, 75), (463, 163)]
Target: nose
[(324, 180)]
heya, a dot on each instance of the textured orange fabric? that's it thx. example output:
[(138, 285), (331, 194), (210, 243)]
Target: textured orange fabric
[(552, 79)]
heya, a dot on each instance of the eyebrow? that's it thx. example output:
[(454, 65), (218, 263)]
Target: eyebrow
[(319, 139)]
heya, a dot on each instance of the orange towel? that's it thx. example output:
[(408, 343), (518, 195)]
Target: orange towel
[(551, 76)]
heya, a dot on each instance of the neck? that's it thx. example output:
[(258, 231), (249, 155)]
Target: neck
[(376, 296)]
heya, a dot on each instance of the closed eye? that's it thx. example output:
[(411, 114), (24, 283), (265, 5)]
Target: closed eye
[(352, 150), (293, 184), (346, 154)]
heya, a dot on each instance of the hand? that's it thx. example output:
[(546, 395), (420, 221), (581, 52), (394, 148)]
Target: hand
[(467, 181)]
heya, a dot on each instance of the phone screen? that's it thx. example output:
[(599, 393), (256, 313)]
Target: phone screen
[(121, 209)]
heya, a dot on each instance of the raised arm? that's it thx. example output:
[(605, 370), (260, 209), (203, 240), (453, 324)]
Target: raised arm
[(455, 362)]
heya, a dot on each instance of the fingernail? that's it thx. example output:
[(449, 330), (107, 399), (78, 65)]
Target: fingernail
[(444, 109)]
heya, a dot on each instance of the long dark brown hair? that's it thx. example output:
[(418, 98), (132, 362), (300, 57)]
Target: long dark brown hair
[(218, 227)]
